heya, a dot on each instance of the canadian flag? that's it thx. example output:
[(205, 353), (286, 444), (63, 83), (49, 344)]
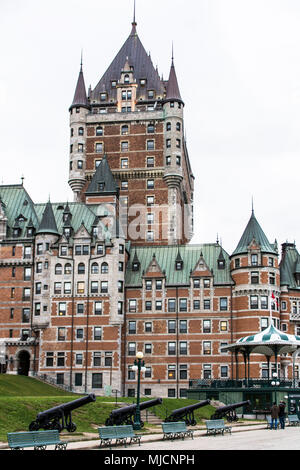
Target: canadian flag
[(274, 299)]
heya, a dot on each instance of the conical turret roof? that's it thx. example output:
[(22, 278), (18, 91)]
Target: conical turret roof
[(48, 223), (80, 96), (103, 180), (173, 92), (253, 231)]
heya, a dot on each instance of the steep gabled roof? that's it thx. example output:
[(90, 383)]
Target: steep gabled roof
[(289, 266), (253, 231), (104, 175), (133, 53)]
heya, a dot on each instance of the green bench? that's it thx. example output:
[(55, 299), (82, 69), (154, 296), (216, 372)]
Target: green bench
[(39, 440), (176, 430), (120, 433), (293, 420), (216, 426)]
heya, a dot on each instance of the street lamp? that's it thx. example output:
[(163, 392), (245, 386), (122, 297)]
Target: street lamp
[(139, 366)]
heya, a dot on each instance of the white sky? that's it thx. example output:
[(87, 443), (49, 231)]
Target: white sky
[(238, 67)]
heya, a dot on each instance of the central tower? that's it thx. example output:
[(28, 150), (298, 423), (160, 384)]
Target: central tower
[(135, 118)]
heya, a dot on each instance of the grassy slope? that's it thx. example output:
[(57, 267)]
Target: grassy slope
[(22, 398)]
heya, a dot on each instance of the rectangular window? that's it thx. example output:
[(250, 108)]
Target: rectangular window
[(196, 304), (148, 284), (272, 278), (183, 371), (206, 326), (124, 162), (148, 348), (104, 287), (124, 146), (60, 359), (264, 302), (207, 371), (206, 304), (196, 283), (254, 277), (171, 326), (253, 301), (62, 308), (132, 327), (183, 348), (158, 284), (150, 162), (206, 347), (67, 288), (97, 381), (97, 359), (158, 305), (150, 145), (150, 184), (148, 327), (131, 349), (183, 326), (132, 305), (254, 259), (172, 372), (98, 308), (223, 303), (25, 315), (223, 325), (171, 349), (206, 283), (94, 287), (224, 372), (61, 334), (148, 305), (171, 305), (78, 379), (97, 333), (79, 333), (49, 359), (150, 200), (183, 305), (80, 287)]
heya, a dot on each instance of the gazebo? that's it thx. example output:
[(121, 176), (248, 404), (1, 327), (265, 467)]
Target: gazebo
[(269, 342)]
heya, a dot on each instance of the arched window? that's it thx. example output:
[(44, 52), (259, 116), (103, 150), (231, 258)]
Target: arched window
[(58, 269), (68, 268), (126, 78), (104, 268), (99, 130), (94, 268), (80, 131), (81, 268)]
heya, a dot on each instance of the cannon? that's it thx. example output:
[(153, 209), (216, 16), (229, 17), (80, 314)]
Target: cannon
[(126, 414), (228, 411), (186, 413), (60, 417)]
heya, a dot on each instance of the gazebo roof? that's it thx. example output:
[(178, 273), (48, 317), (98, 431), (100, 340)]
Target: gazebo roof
[(269, 342)]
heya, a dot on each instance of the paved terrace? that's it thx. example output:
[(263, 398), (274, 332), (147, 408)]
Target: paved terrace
[(244, 437)]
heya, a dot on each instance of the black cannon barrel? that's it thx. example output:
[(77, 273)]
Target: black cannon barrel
[(228, 411), (66, 407), (122, 414), (233, 406), (185, 409)]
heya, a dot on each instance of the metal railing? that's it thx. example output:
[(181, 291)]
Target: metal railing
[(242, 383)]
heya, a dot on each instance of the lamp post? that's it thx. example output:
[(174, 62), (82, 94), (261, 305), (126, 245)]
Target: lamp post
[(275, 383), (138, 366)]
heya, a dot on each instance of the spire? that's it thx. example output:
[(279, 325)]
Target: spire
[(48, 223), (80, 97), (173, 92), (134, 23)]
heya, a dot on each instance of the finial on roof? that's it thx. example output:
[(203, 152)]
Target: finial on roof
[(81, 61), (134, 23), (22, 180), (252, 206), (217, 239), (172, 53)]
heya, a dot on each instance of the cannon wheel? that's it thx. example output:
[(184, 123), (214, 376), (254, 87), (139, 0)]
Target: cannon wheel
[(34, 426), (71, 427)]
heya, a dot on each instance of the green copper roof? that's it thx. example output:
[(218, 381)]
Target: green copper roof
[(253, 231), (166, 257), (17, 204), (289, 265)]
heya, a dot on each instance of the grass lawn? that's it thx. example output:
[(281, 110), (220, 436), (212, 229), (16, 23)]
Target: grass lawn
[(22, 398)]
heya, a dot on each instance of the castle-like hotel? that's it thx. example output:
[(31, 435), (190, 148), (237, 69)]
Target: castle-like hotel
[(85, 285)]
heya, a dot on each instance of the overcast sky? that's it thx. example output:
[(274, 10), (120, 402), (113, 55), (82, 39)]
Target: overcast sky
[(238, 67)]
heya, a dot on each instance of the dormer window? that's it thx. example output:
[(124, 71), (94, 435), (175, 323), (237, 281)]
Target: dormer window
[(102, 96), (150, 94), (101, 186), (135, 266), (126, 78), (221, 264), (143, 82), (114, 84), (179, 265), (254, 259), (67, 232)]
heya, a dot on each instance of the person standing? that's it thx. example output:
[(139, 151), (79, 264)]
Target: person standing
[(281, 414), (274, 415)]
